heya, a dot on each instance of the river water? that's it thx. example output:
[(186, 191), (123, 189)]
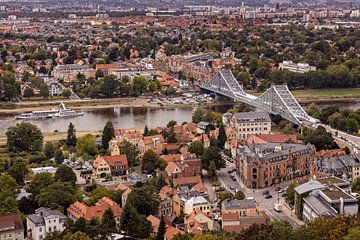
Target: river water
[(121, 117)]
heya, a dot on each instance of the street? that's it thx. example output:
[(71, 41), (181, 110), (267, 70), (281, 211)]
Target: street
[(266, 205)]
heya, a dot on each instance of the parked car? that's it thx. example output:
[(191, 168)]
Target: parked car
[(265, 192), (267, 196), (232, 188), (278, 207), (277, 189)]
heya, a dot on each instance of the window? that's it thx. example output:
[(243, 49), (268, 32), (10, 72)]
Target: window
[(40, 229)]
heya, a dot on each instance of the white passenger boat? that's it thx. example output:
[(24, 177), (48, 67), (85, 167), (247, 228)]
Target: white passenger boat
[(52, 113)]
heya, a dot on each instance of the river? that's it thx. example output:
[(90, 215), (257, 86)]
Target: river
[(121, 117)]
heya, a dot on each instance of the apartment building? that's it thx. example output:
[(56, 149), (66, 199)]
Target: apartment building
[(11, 227), (247, 123), (263, 165), (110, 166)]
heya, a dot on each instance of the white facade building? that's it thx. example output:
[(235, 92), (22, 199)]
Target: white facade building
[(247, 123), (296, 67), (44, 222)]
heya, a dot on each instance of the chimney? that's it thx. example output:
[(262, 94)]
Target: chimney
[(341, 206)]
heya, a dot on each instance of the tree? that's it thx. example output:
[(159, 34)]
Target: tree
[(66, 93), (58, 195), (65, 174), (71, 136), (290, 193), (108, 224), (86, 146), (239, 195), (212, 170), (139, 85), (150, 161), (144, 199), (133, 224), (281, 230), (161, 229), (353, 234), (132, 153), (24, 136), (212, 154), (320, 138), (44, 90), (49, 150), (18, 171), (146, 130), (28, 93), (8, 187), (171, 123), (222, 137), (100, 192), (76, 236), (197, 147), (107, 135), (40, 181), (355, 186), (59, 156)]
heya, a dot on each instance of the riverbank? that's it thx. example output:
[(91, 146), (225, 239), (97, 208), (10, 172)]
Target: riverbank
[(322, 96)]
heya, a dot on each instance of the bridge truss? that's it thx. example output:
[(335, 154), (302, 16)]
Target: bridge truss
[(276, 100)]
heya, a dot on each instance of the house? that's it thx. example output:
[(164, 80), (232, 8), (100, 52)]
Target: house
[(124, 196), (110, 166), (183, 195), (198, 222), (346, 167), (314, 199), (186, 181), (11, 227), (79, 209), (241, 214), (170, 230), (43, 222), (69, 72), (201, 127), (31, 86), (247, 123), (155, 143), (272, 138), (296, 67), (197, 203)]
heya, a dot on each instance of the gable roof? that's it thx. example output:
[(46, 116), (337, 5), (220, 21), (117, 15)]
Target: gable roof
[(10, 222)]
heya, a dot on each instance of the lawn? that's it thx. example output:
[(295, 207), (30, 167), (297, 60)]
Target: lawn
[(331, 93)]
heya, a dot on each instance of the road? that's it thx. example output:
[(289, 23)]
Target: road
[(266, 205)]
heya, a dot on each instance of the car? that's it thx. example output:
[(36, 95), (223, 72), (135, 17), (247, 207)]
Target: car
[(283, 195), (265, 192), (281, 191), (267, 196), (233, 178), (277, 189), (232, 188)]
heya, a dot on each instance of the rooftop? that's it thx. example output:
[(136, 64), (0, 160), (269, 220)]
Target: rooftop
[(252, 117), (309, 186), (239, 204)]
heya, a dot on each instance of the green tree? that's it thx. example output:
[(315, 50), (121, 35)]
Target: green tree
[(24, 136), (108, 224), (49, 150), (353, 234), (197, 147), (239, 195), (290, 193), (76, 236), (86, 146), (134, 224), (222, 137), (59, 156), (71, 136), (320, 138), (355, 186), (146, 130), (150, 161), (212, 170), (40, 181), (139, 85), (66, 93), (65, 174), (132, 153), (107, 135), (144, 199), (161, 229), (171, 123), (28, 93), (8, 187), (18, 171), (44, 90), (100, 192), (212, 154), (58, 195), (281, 230)]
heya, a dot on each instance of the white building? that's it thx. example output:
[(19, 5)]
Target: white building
[(43, 222), (247, 123), (296, 67), (198, 203), (50, 170)]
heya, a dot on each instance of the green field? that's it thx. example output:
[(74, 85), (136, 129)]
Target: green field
[(327, 93)]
